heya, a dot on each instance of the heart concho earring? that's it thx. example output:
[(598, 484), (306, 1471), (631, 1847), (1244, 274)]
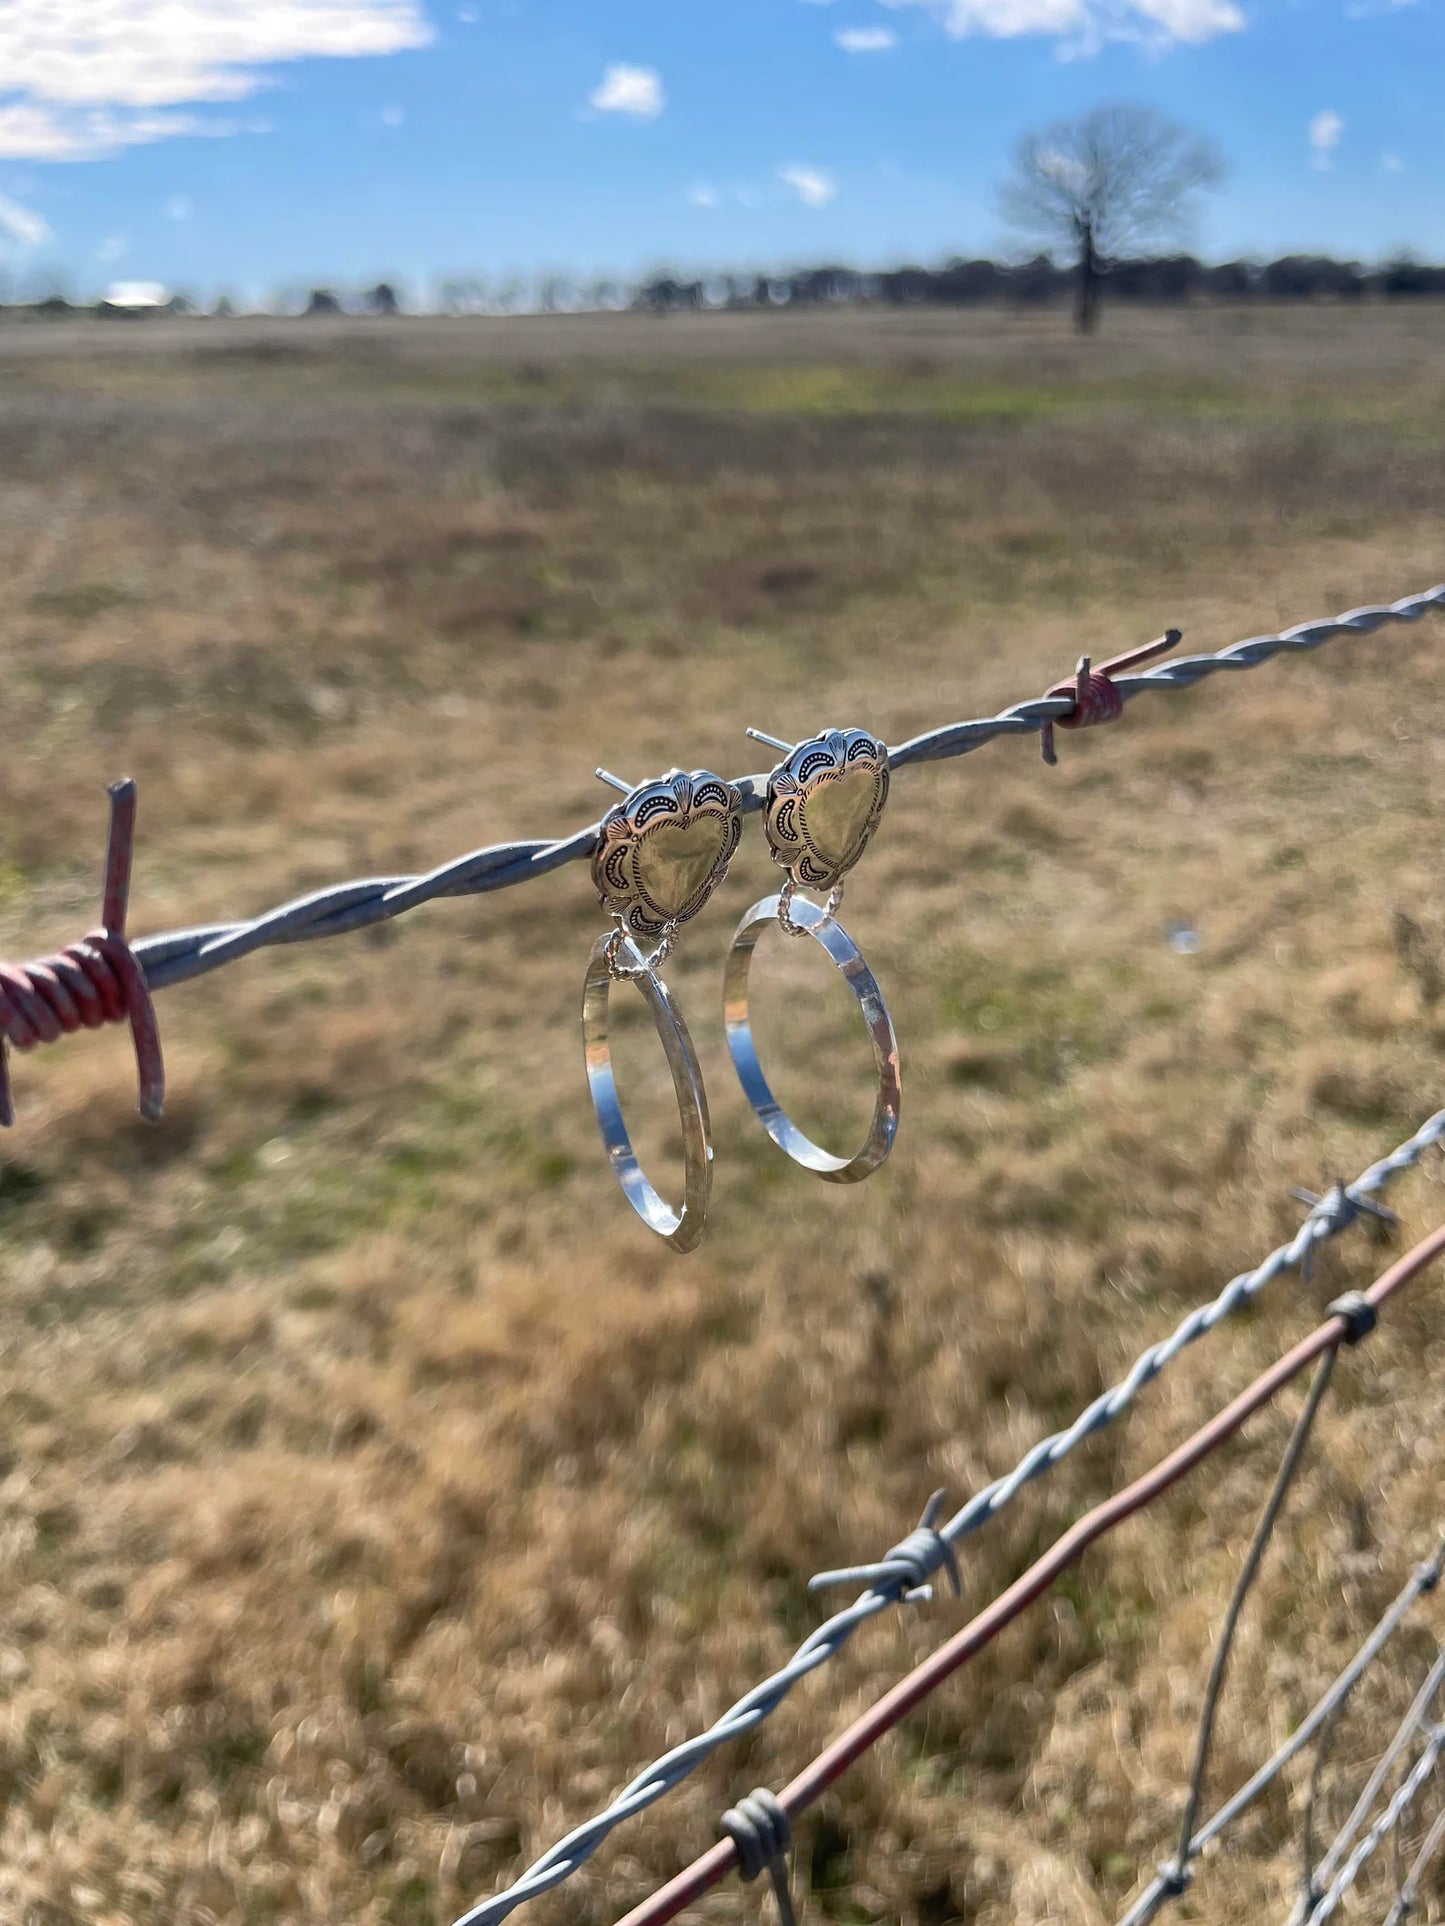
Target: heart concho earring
[(823, 804), (660, 854)]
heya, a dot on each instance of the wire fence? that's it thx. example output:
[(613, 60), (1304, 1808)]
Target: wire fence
[(106, 978), (903, 1574), (1353, 1317)]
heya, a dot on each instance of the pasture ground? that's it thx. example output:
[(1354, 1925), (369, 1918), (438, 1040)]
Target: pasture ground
[(377, 1495)]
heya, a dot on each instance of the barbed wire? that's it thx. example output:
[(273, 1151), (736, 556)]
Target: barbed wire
[(904, 1573), (1353, 1317), (178, 956), (106, 978), (182, 954)]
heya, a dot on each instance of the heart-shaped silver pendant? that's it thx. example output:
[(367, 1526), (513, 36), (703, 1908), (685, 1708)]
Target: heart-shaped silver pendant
[(824, 803), (663, 850)]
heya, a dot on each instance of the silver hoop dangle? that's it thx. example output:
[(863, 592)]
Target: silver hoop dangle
[(824, 801), (660, 854)]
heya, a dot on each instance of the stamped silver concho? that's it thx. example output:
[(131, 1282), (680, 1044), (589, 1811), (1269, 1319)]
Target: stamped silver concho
[(824, 802), (660, 854), (662, 851)]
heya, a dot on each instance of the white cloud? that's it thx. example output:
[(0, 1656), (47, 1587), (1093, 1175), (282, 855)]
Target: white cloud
[(1325, 131), (1086, 24), (22, 224), (812, 187), (114, 247), (630, 90), (866, 40), (86, 74), (1392, 164), (703, 196), (180, 207), (59, 133)]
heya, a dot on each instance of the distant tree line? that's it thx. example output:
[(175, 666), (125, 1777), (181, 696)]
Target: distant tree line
[(1170, 278), (1162, 280)]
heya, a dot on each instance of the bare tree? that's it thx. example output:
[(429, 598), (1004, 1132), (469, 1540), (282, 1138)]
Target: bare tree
[(1108, 185)]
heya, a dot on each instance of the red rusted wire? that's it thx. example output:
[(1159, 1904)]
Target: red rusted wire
[(1094, 695), (706, 1871), (93, 982)]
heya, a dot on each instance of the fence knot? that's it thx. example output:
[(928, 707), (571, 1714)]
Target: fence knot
[(1175, 1878), (762, 1833), (760, 1829), (910, 1563), (1358, 1314), (90, 983), (1092, 690)]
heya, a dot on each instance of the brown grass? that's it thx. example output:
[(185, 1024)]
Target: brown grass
[(376, 1496)]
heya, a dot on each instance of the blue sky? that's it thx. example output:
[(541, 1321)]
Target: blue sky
[(252, 143)]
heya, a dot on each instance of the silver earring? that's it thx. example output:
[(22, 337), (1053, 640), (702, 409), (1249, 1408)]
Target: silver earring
[(660, 854), (824, 801)]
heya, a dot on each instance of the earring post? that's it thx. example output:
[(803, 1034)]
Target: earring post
[(773, 742), (613, 782)]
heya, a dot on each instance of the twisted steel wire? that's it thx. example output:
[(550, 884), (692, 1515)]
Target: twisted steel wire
[(896, 1577), (1424, 1579), (1410, 1788), (179, 955), (1320, 1875), (1410, 1886)]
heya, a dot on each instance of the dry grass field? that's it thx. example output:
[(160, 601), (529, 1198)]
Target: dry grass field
[(376, 1495)]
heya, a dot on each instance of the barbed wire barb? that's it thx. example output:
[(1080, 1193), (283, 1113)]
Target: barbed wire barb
[(96, 981)]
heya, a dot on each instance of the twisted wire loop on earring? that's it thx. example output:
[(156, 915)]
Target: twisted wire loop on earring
[(629, 973), (90, 983), (743, 1049), (785, 907), (760, 1829)]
